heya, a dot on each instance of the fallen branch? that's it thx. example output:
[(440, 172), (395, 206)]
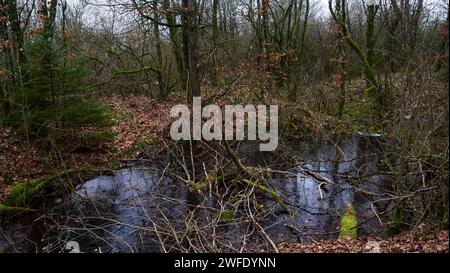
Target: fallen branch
[(11, 210), (271, 192), (318, 176), (246, 171)]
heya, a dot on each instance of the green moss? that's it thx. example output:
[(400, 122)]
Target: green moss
[(199, 186), (7, 210), (23, 193), (275, 196), (147, 143), (7, 178), (361, 117), (309, 112), (150, 141), (226, 217), (394, 226), (101, 136), (129, 152), (349, 223)]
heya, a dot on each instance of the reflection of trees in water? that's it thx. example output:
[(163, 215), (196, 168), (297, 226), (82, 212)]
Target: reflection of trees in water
[(353, 168), (169, 216)]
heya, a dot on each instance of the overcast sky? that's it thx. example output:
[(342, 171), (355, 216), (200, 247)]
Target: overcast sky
[(321, 4)]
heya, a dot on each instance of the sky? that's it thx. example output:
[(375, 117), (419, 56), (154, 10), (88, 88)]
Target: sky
[(322, 4)]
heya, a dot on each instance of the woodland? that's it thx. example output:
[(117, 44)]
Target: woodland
[(86, 90)]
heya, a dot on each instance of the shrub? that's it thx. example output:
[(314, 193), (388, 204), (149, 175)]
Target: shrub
[(50, 98)]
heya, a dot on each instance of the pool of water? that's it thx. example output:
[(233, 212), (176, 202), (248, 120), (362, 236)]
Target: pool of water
[(337, 176), (141, 209)]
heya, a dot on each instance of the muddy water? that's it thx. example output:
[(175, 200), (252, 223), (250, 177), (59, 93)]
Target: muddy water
[(138, 207)]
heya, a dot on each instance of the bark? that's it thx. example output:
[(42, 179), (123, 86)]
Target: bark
[(160, 72), (370, 40), (340, 17), (174, 37), (416, 15), (397, 17), (215, 39), (48, 13), (16, 30), (190, 48), (305, 25)]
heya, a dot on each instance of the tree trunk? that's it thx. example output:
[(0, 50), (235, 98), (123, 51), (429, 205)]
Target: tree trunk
[(215, 39), (397, 17), (159, 72), (190, 48), (370, 40), (176, 45), (48, 16), (17, 33)]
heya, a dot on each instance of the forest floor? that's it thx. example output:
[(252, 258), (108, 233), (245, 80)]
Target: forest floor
[(140, 126), (405, 243)]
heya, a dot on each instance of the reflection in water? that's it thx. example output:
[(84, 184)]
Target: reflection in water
[(351, 167), (121, 213), (124, 194), (123, 207)]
